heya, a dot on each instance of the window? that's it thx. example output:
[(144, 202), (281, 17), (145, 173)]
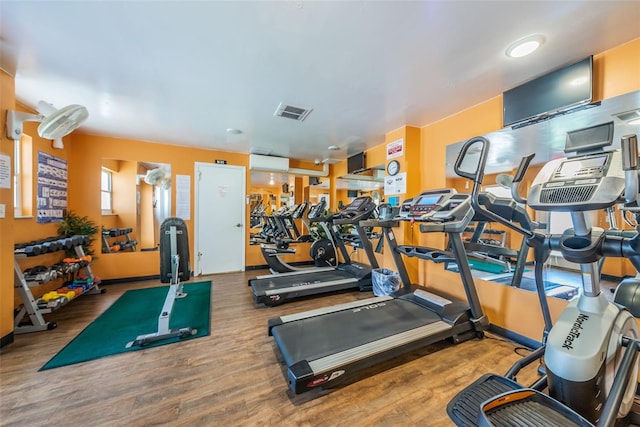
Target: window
[(23, 177), (17, 179), (106, 199)]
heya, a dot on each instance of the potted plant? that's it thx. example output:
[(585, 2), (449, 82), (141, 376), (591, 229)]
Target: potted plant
[(73, 224)]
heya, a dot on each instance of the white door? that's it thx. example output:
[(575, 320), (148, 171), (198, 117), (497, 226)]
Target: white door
[(219, 218)]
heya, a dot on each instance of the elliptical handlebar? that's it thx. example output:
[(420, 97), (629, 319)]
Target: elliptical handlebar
[(477, 176), (629, 149), (519, 176)]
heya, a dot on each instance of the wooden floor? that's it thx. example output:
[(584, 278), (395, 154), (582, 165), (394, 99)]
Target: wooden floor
[(234, 377)]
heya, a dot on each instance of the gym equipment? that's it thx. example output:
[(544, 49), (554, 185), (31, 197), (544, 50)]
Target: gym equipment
[(591, 353), (498, 255), (174, 269), (322, 250), (276, 289), (323, 347)]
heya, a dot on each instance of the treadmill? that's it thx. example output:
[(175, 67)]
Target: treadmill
[(275, 289), (324, 346)]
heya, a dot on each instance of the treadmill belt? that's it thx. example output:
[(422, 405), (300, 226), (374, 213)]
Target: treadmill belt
[(278, 282), (320, 336)]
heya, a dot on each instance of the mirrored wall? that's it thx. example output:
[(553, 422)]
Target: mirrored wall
[(136, 198), (498, 254)]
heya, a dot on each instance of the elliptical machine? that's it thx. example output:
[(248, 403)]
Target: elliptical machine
[(591, 353)]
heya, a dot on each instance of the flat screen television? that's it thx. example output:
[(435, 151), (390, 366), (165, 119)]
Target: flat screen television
[(355, 163), (556, 92)]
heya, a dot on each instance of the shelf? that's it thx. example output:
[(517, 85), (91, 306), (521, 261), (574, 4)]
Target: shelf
[(120, 245), (32, 309)]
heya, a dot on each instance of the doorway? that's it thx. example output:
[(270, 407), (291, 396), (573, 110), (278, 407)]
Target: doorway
[(219, 218)]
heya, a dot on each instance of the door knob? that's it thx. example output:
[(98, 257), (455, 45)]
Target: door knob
[(238, 225)]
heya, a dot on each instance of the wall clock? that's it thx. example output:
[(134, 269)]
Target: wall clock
[(393, 167)]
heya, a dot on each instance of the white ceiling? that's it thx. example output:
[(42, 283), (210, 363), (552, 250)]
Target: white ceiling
[(182, 72)]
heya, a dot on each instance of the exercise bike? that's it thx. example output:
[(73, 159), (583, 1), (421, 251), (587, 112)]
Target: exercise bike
[(174, 269), (591, 352)]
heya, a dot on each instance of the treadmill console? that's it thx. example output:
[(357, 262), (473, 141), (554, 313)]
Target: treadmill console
[(405, 208), (358, 207), (441, 211), (428, 202), (316, 210)]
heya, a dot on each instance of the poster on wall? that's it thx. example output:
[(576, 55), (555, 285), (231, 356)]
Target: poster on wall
[(52, 188), (183, 197), (395, 184), (5, 171), (395, 149)]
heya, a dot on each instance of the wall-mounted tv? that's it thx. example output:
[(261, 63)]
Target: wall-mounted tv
[(556, 92), (355, 163)]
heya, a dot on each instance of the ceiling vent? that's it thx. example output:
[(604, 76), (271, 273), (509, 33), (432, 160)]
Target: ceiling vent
[(291, 112)]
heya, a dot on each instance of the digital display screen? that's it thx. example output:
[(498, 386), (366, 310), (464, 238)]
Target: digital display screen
[(428, 200), (357, 202), (570, 168), (548, 94)]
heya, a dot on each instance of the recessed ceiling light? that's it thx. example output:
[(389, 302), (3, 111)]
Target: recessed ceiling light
[(525, 46), (333, 147), (233, 131)]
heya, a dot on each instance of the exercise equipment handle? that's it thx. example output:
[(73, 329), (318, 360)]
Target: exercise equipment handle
[(629, 148), (517, 179)]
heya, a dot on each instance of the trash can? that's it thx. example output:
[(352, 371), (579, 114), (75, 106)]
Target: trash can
[(384, 281)]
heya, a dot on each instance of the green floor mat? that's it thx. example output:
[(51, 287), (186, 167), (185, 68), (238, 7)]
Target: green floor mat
[(136, 313)]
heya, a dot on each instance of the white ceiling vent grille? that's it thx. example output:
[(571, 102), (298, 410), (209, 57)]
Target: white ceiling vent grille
[(291, 112)]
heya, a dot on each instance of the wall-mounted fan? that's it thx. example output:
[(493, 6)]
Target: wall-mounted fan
[(54, 124), (154, 177)]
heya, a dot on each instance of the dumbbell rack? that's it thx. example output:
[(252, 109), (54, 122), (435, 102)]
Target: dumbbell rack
[(30, 306), (125, 244)]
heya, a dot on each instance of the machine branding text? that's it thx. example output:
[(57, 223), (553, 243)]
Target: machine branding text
[(574, 333), (369, 307)]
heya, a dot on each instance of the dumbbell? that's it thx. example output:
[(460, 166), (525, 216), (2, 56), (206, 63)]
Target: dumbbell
[(66, 242), (51, 246), (31, 250)]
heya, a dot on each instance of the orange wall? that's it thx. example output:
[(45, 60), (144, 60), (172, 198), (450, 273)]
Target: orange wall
[(87, 153), (7, 235), (617, 71)]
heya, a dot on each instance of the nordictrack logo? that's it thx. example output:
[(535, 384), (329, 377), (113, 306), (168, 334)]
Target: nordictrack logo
[(574, 333)]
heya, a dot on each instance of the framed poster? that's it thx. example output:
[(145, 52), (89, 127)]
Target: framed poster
[(52, 188)]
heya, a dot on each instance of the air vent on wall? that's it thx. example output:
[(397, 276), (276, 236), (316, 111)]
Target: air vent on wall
[(291, 112)]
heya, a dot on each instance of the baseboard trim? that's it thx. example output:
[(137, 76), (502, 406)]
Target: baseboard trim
[(129, 279), (6, 340)]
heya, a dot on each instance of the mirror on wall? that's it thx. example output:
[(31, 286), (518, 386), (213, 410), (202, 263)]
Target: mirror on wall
[(136, 198), (498, 261)]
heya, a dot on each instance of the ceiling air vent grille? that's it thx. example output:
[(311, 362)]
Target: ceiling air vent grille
[(291, 112)]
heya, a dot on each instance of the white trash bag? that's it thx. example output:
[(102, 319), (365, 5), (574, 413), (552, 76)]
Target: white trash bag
[(384, 281)]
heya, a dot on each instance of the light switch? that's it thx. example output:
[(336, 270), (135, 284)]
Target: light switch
[(2, 210)]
